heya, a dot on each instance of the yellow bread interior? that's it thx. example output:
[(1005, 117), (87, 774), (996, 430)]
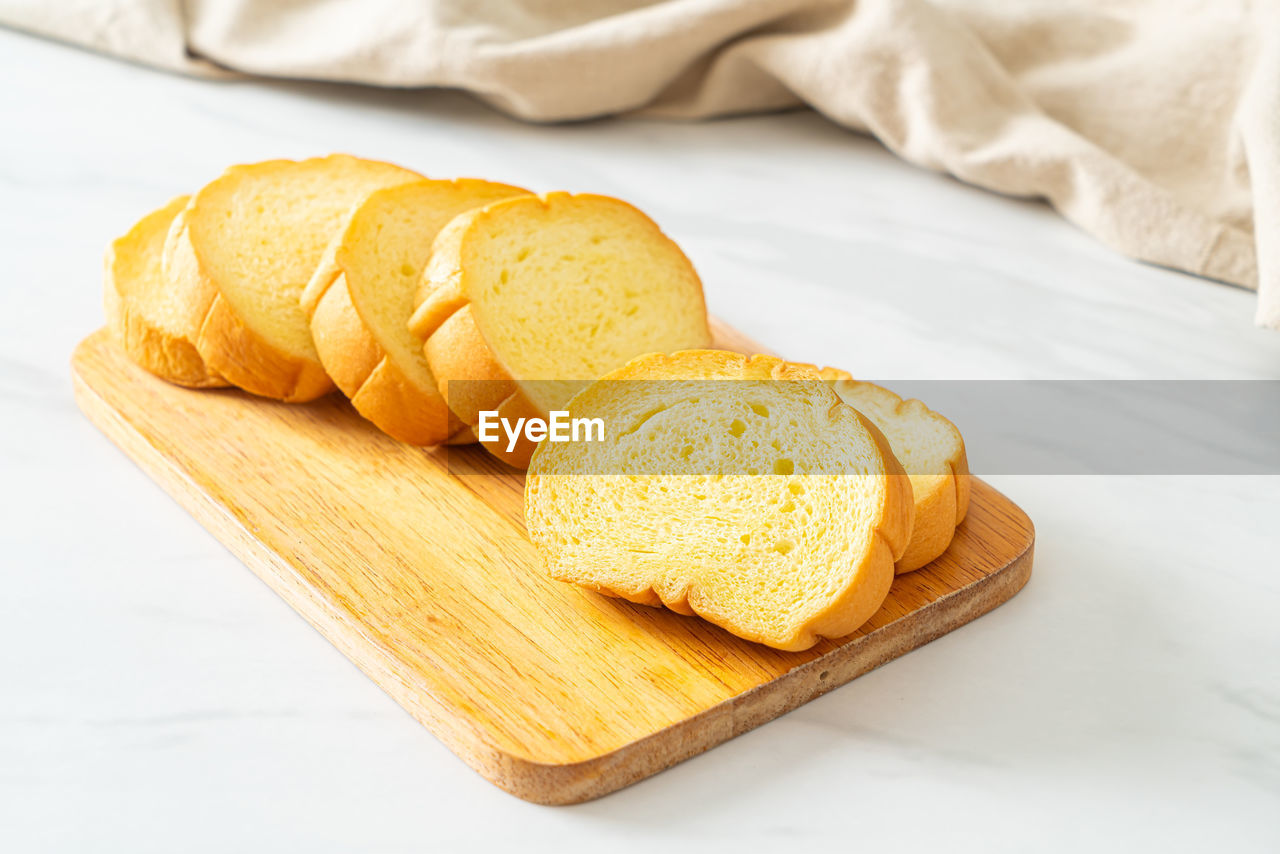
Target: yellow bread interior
[(562, 289), (154, 324), (379, 257), (258, 232), (802, 550), (931, 451)]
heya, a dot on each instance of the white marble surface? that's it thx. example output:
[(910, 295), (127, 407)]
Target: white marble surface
[(155, 696)]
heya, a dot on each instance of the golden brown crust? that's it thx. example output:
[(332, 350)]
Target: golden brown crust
[(168, 354), (243, 356), (227, 345), (941, 500), (440, 294), (175, 360), (484, 386), (963, 485), (346, 348), (362, 369)]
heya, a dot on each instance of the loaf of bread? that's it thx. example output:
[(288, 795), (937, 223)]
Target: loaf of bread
[(155, 328), (764, 505), (244, 249), (526, 300), (931, 450), (363, 292)]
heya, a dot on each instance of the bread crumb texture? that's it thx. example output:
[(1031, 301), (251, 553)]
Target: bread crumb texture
[(558, 290), (802, 550)]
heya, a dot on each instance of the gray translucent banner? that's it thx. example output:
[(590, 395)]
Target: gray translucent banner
[(1009, 427)]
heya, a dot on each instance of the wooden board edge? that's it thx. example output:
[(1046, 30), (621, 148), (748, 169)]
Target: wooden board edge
[(543, 783), (564, 784)]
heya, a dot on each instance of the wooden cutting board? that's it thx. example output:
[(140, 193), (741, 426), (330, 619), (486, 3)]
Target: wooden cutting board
[(426, 580)]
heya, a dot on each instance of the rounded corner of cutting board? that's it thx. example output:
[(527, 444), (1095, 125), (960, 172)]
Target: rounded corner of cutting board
[(1017, 523), (551, 782), (84, 351)]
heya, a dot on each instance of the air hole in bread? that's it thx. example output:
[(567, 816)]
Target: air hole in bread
[(737, 428), (782, 547), (784, 466), (760, 409), (643, 418)]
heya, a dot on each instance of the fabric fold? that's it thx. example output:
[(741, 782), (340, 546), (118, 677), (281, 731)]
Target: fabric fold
[(1154, 126)]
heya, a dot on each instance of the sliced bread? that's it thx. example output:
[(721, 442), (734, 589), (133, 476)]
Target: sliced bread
[(931, 450), (244, 251), (363, 292), (536, 296), (155, 328), (666, 510)]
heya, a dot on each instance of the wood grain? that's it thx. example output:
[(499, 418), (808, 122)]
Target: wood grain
[(415, 564)]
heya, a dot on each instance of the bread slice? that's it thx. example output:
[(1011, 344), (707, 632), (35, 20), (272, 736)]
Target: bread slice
[(244, 250), (536, 296), (155, 328), (931, 450), (667, 510), (361, 296)]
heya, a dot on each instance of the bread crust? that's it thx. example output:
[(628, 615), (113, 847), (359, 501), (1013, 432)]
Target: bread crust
[(455, 345), (485, 386), (349, 348), (225, 340), (366, 373), (227, 344), (941, 500), (168, 354), (468, 376)]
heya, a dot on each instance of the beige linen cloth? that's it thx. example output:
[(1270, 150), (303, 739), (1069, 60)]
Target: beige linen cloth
[(1154, 125)]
